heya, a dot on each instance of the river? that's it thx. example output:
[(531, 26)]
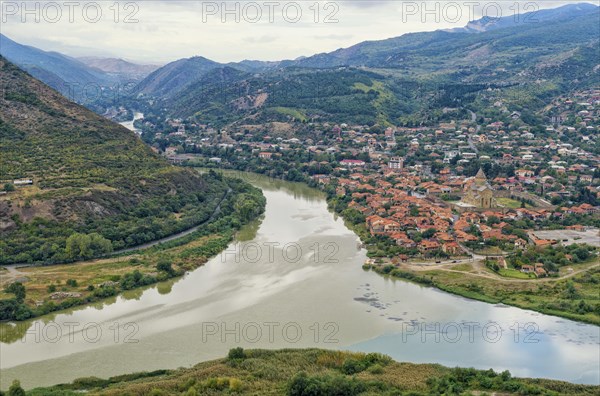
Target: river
[(293, 280), (129, 124)]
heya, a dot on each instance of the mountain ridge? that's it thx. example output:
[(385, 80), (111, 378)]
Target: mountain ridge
[(88, 175)]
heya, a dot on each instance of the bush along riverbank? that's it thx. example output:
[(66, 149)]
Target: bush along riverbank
[(310, 372), (38, 291)]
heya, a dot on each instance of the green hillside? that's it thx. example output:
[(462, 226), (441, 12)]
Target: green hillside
[(89, 175), (403, 80), (314, 372)]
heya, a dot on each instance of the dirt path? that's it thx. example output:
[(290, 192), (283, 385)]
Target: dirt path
[(14, 273), (482, 272)]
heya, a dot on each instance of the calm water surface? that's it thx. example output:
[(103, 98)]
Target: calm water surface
[(293, 280)]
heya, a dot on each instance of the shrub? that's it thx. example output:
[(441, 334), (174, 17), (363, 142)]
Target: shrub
[(353, 366), (235, 385), (376, 369), (15, 389), (304, 385), (236, 353)]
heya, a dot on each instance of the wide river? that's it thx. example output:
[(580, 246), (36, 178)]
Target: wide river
[(293, 280)]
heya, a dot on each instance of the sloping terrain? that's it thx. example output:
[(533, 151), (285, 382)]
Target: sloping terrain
[(88, 175), (314, 372), (119, 67), (67, 75), (387, 81)]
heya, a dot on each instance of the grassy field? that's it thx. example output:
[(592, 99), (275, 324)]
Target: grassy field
[(291, 112), (60, 287), (315, 372), (511, 203), (576, 298), (513, 273), (96, 272)]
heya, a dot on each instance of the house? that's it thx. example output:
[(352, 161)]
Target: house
[(539, 270), (352, 162), (428, 246), (527, 269), (524, 173), (452, 248), (22, 182), (265, 155), (396, 163), (520, 243)]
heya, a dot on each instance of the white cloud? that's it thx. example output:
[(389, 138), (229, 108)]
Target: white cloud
[(169, 30)]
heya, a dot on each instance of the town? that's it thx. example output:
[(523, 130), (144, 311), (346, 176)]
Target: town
[(490, 186)]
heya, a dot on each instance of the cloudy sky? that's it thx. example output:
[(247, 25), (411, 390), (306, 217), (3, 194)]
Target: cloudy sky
[(162, 31)]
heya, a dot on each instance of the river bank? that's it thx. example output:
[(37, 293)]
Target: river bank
[(548, 296), (57, 287), (298, 372), (475, 281), (294, 280)]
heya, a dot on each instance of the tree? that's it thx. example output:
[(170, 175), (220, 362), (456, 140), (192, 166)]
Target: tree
[(582, 253), (164, 265), (8, 187), (18, 290), (15, 389), (84, 246), (71, 282), (236, 353), (571, 291), (428, 233)]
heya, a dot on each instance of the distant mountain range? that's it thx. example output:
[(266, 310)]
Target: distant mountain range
[(119, 67), (487, 24), (68, 75), (175, 76), (373, 81), (389, 80)]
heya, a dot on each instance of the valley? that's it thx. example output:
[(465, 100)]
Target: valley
[(407, 214)]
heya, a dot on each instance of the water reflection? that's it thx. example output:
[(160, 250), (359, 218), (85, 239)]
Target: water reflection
[(313, 290)]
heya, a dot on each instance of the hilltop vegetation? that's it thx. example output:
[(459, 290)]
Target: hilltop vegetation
[(407, 80), (90, 177), (315, 372)]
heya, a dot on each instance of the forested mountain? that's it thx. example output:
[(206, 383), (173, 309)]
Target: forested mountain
[(79, 80), (422, 53), (527, 18), (398, 80), (89, 176), (175, 76), (67, 75), (119, 67)]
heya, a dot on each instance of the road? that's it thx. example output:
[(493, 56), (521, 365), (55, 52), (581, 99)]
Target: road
[(174, 236), (13, 268), (483, 273)]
